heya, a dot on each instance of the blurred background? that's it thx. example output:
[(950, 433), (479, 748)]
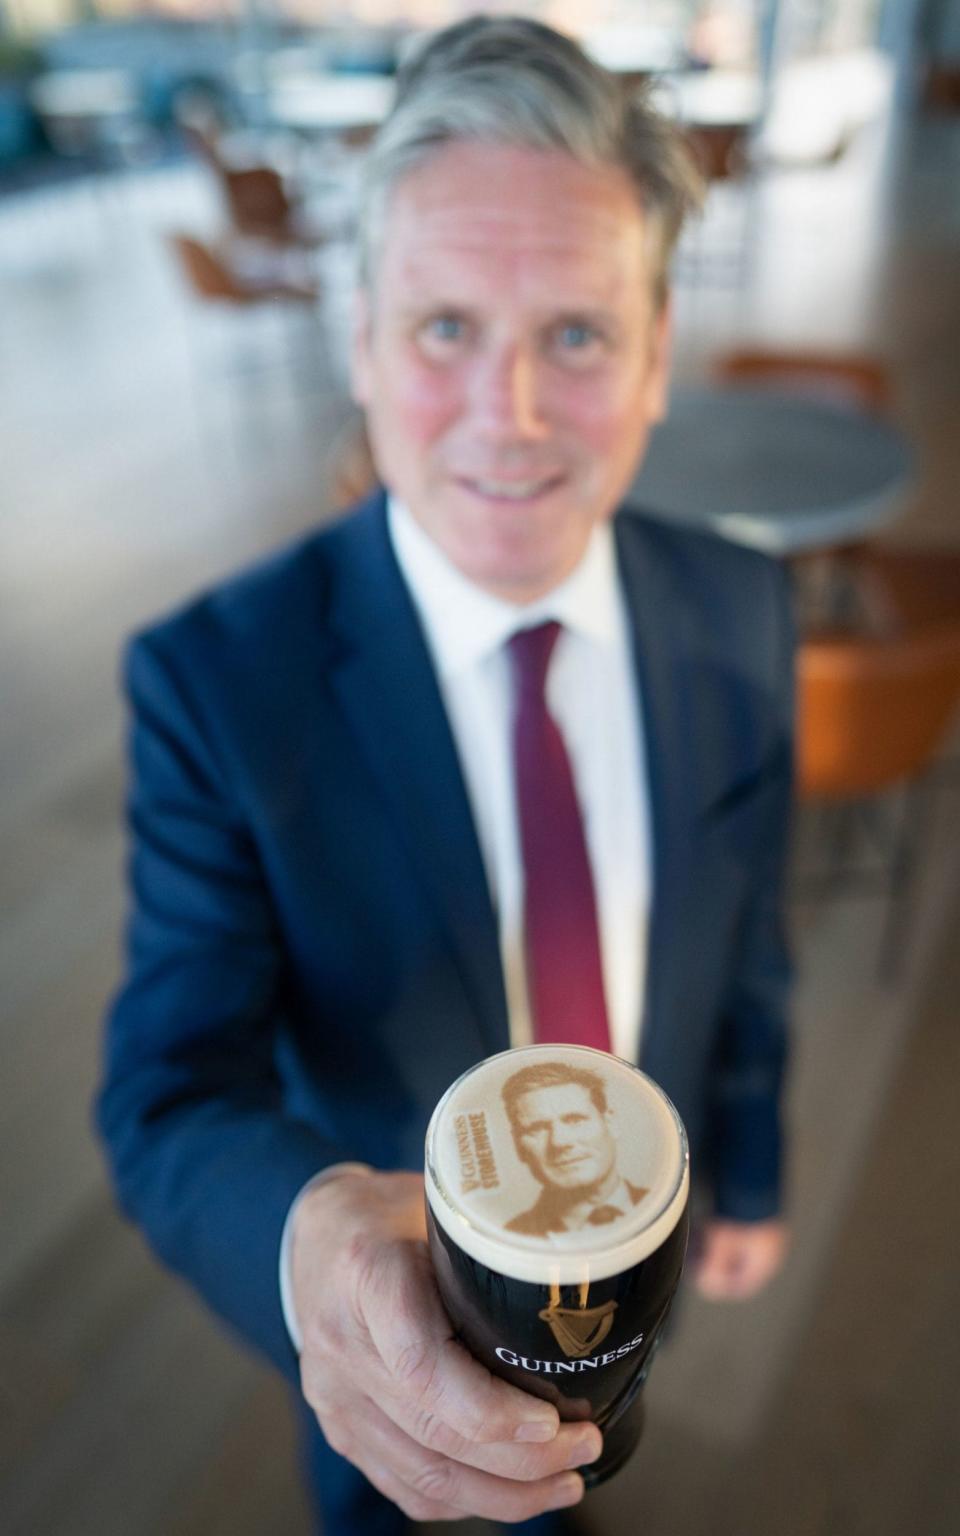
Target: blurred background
[(177, 186)]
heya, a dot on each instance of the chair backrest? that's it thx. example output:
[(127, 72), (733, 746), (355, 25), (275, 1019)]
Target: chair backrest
[(206, 274), (916, 587), (843, 377), (873, 712), (257, 201), (720, 149), (940, 88)]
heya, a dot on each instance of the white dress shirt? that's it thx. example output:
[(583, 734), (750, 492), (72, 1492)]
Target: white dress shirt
[(593, 696), (618, 1203)]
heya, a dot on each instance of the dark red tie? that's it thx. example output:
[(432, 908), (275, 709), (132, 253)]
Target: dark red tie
[(564, 973)]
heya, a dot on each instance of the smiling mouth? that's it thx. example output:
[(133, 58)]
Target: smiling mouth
[(492, 489)]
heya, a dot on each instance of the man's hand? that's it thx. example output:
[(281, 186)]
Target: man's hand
[(738, 1258), (392, 1389)]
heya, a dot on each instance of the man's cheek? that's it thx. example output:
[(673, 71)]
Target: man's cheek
[(605, 430), (425, 402)]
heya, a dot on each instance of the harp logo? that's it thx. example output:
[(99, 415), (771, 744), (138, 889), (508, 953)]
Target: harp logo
[(579, 1330)]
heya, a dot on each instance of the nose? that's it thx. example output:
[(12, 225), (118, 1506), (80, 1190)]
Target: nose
[(506, 396), (559, 1141)]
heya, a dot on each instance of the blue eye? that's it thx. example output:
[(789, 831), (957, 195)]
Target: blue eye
[(445, 328), (576, 336)]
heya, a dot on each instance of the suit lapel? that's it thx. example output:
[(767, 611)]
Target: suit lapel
[(381, 674), (704, 742), (656, 614)]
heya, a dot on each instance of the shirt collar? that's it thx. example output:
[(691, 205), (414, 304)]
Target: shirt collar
[(465, 624)]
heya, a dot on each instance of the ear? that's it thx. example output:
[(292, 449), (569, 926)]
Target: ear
[(360, 342), (661, 350)]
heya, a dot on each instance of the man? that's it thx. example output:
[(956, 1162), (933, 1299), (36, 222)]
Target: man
[(563, 1130), (342, 894)]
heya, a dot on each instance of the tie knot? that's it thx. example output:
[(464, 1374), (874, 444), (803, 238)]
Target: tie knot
[(530, 651)]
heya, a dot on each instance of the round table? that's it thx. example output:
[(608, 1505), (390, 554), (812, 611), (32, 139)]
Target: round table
[(779, 471), (328, 103), (710, 98)]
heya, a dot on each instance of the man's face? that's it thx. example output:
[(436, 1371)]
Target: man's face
[(564, 1137), (509, 357)]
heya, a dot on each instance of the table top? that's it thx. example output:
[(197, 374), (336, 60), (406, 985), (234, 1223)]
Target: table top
[(84, 92), (635, 49), (710, 98), (313, 101), (779, 471)]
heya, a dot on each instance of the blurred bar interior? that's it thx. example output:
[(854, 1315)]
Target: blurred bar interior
[(177, 183)]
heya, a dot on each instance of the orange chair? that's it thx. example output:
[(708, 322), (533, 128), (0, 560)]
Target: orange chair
[(210, 276), (940, 87), (257, 201), (872, 715), (907, 588), (719, 149), (259, 205), (838, 376), (263, 314)]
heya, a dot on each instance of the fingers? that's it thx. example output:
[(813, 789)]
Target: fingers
[(431, 1378), (738, 1259), (428, 1485), (392, 1388), (574, 1446)]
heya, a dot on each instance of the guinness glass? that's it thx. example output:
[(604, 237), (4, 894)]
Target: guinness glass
[(557, 1180)]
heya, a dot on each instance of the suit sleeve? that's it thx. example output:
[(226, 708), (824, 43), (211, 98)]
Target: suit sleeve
[(204, 1158), (744, 1111)]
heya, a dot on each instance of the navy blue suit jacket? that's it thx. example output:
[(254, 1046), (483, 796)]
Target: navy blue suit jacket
[(312, 951)]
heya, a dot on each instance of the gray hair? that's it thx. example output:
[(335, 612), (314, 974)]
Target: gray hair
[(510, 80)]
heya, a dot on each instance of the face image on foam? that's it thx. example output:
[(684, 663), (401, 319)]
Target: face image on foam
[(556, 1147)]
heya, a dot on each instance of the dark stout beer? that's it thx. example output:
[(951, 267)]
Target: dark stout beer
[(557, 1180)]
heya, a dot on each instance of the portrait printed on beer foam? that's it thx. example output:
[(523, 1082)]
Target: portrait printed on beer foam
[(562, 1150)]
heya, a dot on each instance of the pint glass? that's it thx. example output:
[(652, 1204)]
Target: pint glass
[(557, 1180)]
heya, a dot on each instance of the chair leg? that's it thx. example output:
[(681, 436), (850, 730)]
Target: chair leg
[(842, 837), (914, 825)]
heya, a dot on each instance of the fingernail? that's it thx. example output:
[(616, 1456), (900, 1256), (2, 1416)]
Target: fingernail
[(585, 1451), (536, 1431), (569, 1490)]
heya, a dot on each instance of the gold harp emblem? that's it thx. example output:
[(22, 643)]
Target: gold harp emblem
[(578, 1330)]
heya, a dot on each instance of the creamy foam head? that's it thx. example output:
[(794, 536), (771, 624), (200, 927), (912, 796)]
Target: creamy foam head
[(555, 1163)]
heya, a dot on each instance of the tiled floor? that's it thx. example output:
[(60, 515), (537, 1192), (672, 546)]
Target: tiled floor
[(144, 450)]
